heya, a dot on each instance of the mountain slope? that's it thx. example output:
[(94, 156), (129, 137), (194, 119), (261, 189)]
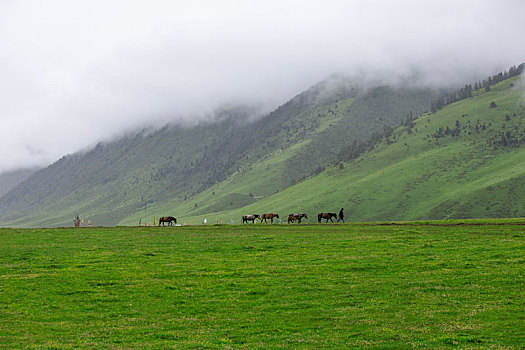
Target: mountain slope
[(231, 162), (10, 179), (467, 160)]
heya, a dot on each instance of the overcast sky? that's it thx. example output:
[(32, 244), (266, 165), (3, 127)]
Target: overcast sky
[(75, 72)]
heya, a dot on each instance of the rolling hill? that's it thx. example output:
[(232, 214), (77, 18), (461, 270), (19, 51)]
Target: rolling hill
[(466, 160), (214, 166)]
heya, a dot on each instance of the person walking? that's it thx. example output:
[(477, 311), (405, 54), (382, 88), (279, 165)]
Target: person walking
[(341, 216)]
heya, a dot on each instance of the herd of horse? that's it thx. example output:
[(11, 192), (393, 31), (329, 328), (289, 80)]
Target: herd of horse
[(170, 220), (291, 218), (271, 216), (263, 218)]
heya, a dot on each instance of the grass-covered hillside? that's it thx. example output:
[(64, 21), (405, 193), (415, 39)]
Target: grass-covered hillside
[(215, 166), (467, 160)]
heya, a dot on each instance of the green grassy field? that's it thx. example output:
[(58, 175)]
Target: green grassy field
[(407, 285)]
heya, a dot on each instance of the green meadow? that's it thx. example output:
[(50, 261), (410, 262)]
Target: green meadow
[(434, 284)]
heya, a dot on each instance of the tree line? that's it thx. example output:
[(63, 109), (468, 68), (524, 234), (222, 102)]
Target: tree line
[(466, 91)]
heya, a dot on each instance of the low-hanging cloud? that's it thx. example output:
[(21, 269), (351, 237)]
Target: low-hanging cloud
[(75, 72)]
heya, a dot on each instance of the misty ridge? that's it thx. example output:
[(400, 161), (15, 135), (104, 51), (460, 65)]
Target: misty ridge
[(336, 86), (78, 74), (242, 115)]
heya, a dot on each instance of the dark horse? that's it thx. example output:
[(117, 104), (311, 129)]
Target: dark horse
[(298, 217), (327, 216), (168, 219), (269, 216), (250, 217)]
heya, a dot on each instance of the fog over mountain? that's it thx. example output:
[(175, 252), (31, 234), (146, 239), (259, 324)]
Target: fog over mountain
[(76, 72)]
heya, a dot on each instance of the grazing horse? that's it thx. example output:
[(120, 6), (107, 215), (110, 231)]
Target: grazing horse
[(298, 217), (168, 219), (269, 216), (250, 217), (327, 216)]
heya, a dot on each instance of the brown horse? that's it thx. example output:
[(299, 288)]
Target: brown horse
[(250, 217), (269, 216), (298, 217), (168, 219), (327, 216)]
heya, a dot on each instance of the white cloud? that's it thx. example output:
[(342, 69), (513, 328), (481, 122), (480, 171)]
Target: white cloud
[(75, 72)]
